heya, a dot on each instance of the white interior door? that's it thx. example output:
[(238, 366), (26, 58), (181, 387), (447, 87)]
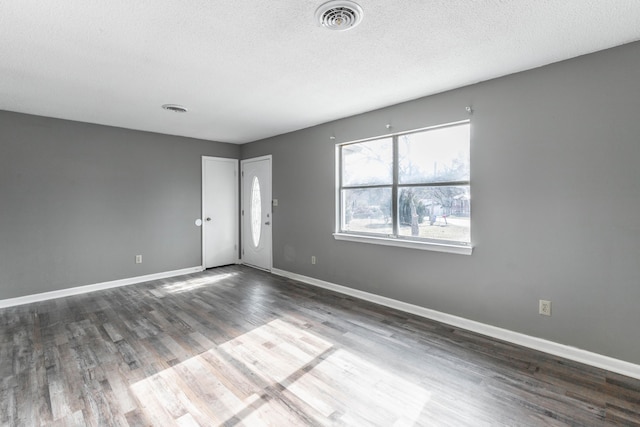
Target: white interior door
[(219, 211), (256, 212)]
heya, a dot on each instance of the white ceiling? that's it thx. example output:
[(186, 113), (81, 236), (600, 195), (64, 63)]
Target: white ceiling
[(249, 69)]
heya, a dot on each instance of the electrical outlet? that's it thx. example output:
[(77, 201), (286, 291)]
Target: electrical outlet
[(275, 202), (544, 307), (313, 259), (138, 259)]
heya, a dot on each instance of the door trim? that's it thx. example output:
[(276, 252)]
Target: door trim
[(242, 162), (236, 203)]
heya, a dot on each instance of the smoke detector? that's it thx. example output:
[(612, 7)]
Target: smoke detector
[(175, 108), (339, 15)]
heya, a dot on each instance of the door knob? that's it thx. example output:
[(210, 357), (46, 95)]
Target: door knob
[(208, 219), (267, 223)]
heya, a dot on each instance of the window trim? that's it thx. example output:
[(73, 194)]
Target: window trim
[(404, 243), (394, 240)]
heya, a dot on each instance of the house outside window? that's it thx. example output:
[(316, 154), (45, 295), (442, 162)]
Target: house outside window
[(407, 189)]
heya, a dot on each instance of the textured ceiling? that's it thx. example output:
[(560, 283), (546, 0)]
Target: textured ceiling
[(252, 69)]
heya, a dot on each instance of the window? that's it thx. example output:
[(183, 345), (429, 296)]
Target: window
[(409, 189), (256, 212)]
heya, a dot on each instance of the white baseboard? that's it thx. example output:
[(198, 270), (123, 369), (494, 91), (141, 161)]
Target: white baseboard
[(561, 350), (10, 302)]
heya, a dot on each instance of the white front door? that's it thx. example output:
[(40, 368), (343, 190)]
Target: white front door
[(256, 212), (219, 211)]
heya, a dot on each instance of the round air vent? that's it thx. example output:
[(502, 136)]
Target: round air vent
[(339, 15), (175, 108)]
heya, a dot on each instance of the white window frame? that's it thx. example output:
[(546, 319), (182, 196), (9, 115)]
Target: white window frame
[(397, 241)]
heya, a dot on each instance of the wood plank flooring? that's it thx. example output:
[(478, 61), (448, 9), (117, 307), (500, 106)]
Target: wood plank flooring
[(236, 346)]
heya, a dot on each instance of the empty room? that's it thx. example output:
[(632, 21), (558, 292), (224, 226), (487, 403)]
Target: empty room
[(319, 213)]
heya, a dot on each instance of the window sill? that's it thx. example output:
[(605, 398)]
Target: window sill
[(386, 241)]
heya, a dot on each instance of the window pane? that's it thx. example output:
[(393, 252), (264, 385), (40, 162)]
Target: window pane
[(368, 163), (441, 213), (256, 212), (367, 210), (438, 155)]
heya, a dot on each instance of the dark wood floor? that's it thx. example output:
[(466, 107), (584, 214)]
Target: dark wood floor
[(237, 346)]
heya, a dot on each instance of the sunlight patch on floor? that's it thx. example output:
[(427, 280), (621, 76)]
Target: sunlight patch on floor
[(278, 374), (191, 284), (374, 395)]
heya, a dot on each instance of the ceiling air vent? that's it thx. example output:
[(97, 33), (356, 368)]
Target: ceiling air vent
[(175, 108), (339, 15)]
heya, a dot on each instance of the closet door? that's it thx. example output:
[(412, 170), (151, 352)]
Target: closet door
[(219, 211)]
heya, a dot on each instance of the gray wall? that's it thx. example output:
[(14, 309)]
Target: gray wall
[(555, 205), (79, 201)]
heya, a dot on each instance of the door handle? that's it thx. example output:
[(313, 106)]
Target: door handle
[(208, 219), (267, 223)]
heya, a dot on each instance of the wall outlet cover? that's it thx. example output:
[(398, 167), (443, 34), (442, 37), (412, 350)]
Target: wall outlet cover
[(544, 307)]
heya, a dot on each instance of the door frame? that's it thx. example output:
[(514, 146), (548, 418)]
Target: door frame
[(242, 230), (236, 203)]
